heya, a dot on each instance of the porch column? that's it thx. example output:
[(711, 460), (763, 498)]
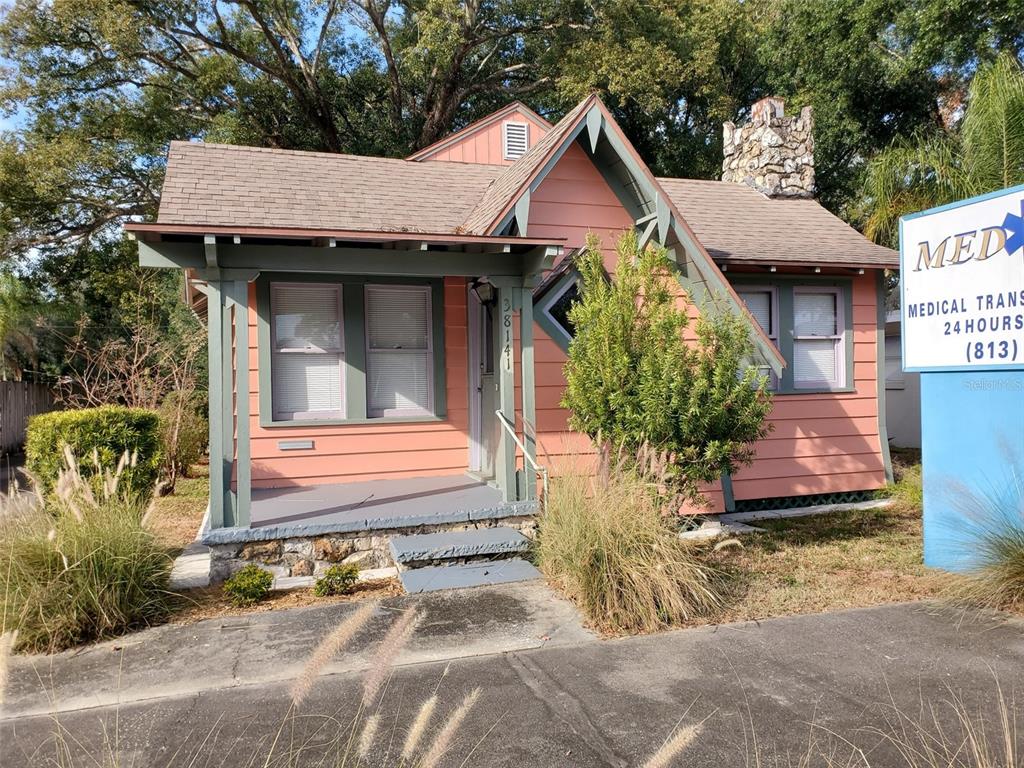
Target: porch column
[(243, 475), (529, 388), (217, 322), (505, 461)]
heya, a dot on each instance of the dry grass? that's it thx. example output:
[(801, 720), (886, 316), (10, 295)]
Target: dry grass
[(849, 559), (212, 603), (176, 518)]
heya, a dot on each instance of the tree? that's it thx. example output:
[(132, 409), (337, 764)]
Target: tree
[(634, 384), (984, 152), (18, 313)]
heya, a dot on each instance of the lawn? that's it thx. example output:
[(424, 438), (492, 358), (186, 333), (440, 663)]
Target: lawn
[(176, 517)]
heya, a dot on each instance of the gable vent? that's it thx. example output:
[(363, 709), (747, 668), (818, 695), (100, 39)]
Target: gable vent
[(515, 139)]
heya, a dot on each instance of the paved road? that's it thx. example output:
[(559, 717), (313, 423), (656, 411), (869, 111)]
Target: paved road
[(552, 693)]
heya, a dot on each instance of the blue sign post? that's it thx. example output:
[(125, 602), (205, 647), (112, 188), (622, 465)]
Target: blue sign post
[(962, 306)]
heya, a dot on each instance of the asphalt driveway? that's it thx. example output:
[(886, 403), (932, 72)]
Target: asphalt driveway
[(552, 693)]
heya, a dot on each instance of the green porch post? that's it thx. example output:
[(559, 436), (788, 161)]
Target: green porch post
[(505, 461), (529, 388), (215, 343), (243, 475)]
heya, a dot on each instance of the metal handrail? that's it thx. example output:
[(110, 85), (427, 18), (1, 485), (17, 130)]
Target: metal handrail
[(542, 471)]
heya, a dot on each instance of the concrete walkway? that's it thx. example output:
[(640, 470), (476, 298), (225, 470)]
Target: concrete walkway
[(553, 694)]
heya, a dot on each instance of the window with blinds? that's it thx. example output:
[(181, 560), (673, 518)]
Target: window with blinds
[(515, 139), (307, 354), (399, 373), (763, 304), (818, 359)]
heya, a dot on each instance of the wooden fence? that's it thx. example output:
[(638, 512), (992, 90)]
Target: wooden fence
[(18, 401)]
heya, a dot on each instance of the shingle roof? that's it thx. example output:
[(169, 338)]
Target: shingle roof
[(249, 186), (737, 223), (500, 195)]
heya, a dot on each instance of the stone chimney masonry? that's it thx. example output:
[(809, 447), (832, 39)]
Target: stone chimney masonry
[(772, 153)]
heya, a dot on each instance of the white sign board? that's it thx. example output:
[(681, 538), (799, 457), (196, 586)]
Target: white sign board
[(962, 277)]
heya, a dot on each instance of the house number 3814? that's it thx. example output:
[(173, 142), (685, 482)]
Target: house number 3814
[(506, 330)]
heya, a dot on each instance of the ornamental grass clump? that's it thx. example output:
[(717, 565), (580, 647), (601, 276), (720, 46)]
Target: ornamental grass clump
[(81, 563), (607, 544)]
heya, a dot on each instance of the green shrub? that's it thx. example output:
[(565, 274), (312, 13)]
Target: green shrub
[(249, 586), (609, 548), (184, 433), (78, 565), (99, 437), (337, 580), (633, 380)]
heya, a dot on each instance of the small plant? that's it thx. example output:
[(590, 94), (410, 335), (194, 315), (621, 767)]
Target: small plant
[(81, 563), (608, 547), (249, 586), (337, 580), (102, 436)]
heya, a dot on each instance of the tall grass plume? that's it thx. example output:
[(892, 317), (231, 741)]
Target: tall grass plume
[(328, 648)]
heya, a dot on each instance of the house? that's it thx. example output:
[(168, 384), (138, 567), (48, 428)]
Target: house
[(387, 336)]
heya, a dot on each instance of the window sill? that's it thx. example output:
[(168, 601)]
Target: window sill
[(818, 391), (351, 422)]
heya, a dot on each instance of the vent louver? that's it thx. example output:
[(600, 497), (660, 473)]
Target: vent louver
[(515, 139)]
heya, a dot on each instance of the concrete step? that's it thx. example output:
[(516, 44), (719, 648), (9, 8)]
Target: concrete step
[(456, 545), (478, 574)]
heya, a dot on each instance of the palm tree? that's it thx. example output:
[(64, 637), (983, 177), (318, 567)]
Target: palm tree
[(983, 153), (18, 319)]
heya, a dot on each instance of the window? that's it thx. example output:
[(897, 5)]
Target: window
[(763, 304), (398, 351), (894, 378), (818, 353), (515, 140), (307, 351), (557, 305)]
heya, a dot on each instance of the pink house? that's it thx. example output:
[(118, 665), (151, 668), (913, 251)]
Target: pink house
[(387, 336)]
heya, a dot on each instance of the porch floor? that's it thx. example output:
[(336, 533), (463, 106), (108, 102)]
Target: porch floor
[(373, 505)]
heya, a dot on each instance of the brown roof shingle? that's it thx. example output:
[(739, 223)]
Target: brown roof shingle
[(736, 223), (249, 186)]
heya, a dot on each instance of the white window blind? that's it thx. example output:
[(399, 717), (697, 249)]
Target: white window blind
[(515, 139), (307, 351), (817, 339), (398, 343)]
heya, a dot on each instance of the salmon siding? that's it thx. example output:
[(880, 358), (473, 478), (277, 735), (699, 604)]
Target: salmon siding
[(828, 436)]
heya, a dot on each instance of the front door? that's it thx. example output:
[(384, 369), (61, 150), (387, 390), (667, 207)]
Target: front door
[(483, 387)]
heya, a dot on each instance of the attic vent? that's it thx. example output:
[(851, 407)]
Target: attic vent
[(515, 139)]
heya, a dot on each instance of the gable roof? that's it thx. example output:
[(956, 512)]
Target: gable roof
[(738, 224), (502, 194), (221, 184), (479, 125)]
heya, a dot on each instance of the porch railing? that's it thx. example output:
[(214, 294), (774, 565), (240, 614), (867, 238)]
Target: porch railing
[(540, 471)]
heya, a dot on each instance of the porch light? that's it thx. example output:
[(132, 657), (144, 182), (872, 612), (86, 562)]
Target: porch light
[(484, 292)]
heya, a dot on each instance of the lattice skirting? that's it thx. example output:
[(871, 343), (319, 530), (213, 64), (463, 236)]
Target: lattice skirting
[(813, 500)]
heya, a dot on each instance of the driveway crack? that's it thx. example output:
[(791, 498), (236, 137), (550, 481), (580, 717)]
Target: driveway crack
[(566, 707)]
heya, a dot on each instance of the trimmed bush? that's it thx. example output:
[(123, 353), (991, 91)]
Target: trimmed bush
[(249, 586), (608, 547), (99, 437), (78, 565), (337, 580)]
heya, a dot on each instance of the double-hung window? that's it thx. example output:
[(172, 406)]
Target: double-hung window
[(819, 359), (398, 351), (307, 355), (763, 303)]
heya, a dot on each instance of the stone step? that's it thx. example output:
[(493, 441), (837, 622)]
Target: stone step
[(479, 574), (456, 545)]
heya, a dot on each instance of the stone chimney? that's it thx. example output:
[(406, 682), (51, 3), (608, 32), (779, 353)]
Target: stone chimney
[(772, 153)]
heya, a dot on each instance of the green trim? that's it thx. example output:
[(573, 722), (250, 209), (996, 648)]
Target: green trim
[(504, 370), (526, 316), (728, 498), (367, 262), (785, 284), (553, 330), (883, 430), (354, 321), (243, 473), (227, 405), (215, 363)]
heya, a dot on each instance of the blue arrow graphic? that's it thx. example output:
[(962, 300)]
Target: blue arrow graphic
[(1015, 226)]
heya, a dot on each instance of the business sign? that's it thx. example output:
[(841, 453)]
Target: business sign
[(962, 277)]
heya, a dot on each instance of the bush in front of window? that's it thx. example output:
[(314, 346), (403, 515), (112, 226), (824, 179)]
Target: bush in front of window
[(99, 437), (634, 384)]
